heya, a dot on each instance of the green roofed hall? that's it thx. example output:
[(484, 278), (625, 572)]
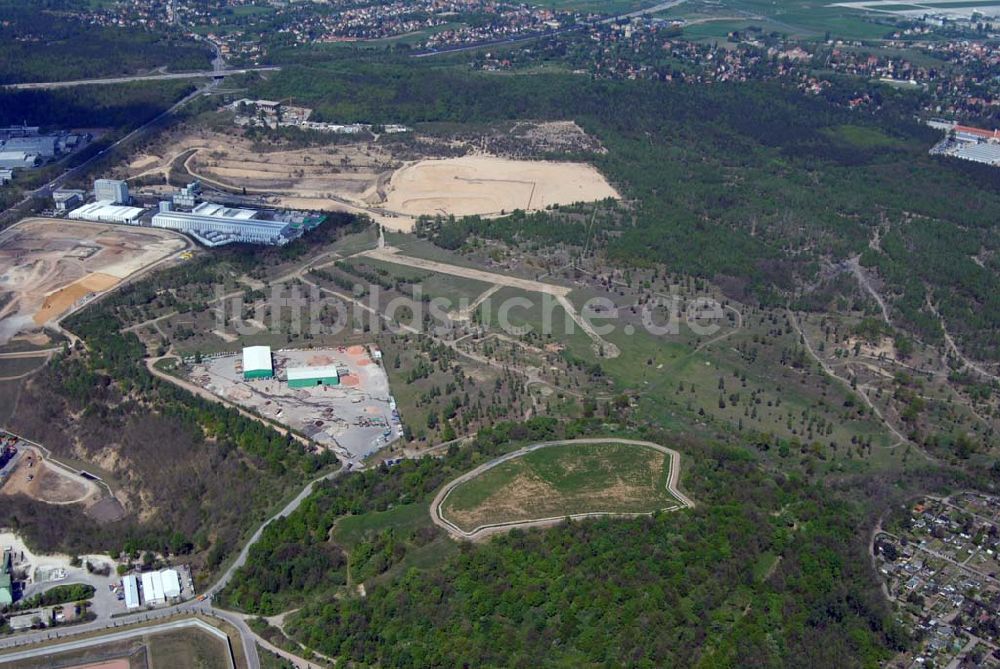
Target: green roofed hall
[(257, 363), (303, 377)]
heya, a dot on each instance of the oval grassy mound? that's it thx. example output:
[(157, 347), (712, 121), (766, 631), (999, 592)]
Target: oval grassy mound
[(561, 480)]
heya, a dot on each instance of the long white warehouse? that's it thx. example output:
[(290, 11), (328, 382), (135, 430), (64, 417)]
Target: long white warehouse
[(209, 220), (131, 586), (105, 212)]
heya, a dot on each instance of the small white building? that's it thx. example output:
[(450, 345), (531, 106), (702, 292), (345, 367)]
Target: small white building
[(131, 587), (152, 588), (67, 199), (171, 582)]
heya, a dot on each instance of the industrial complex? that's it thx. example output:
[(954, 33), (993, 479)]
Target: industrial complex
[(209, 223), (339, 398), (215, 225), (26, 147), (968, 143)]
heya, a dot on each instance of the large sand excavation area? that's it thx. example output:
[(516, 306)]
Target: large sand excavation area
[(487, 185), (368, 177), (47, 267)]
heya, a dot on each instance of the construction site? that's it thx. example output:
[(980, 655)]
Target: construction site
[(48, 268), (338, 397)]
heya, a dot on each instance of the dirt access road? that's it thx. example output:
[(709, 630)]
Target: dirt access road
[(486, 530)]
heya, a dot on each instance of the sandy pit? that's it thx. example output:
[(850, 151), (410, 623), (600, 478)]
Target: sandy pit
[(487, 185), (42, 481), (366, 177), (48, 267)]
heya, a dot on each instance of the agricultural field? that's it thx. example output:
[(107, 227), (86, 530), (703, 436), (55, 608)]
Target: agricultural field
[(555, 482)]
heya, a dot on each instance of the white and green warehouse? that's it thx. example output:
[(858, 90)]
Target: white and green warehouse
[(305, 377), (257, 363)]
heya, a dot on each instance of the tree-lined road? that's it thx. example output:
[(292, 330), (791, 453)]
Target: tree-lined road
[(215, 73)]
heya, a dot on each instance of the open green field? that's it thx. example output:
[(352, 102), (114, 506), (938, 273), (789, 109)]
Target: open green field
[(800, 19), (561, 481), (188, 648)]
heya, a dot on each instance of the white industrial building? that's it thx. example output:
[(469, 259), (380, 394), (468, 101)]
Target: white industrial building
[(257, 363), (67, 199), (157, 587), (19, 159), (105, 212), (111, 190), (170, 583), (216, 224), (46, 146), (131, 587), (152, 588), (6, 176)]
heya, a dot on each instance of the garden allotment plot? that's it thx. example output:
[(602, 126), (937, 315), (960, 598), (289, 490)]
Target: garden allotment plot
[(557, 481)]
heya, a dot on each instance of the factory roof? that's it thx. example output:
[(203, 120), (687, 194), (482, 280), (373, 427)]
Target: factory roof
[(222, 211), (66, 193), (171, 583), (301, 373), (43, 144), (256, 358), (152, 587), (16, 155), (103, 209), (131, 587)]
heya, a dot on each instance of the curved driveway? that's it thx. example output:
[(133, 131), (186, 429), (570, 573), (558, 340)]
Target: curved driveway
[(484, 530)]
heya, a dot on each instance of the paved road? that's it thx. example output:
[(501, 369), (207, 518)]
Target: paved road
[(289, 508), (485, 530), (215, 73)]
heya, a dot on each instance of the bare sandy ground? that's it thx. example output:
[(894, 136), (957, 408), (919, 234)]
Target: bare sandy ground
[(487, 185), (50, 484), (47, 266), (367, 178)]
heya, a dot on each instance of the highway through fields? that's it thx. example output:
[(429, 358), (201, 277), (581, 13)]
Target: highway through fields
[(485, 530), (45, 85)]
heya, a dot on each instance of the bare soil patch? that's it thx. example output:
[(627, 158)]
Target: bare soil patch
[(39, 480), (48, 266)]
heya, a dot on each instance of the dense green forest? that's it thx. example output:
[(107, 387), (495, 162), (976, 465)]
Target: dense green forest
[(44, 45), (91, 106), (758, 184), (767, 570)]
